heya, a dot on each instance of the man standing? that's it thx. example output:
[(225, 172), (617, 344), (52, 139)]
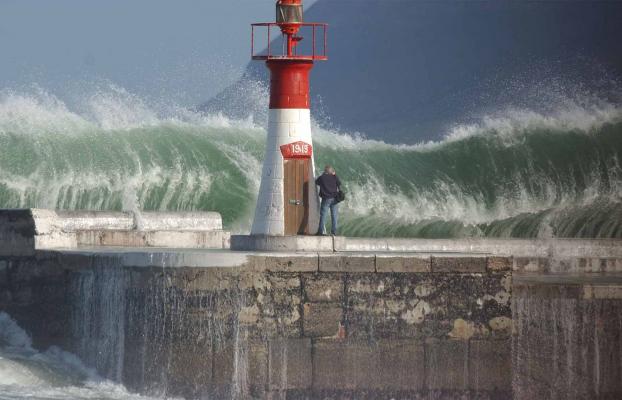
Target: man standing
[(330, 186)]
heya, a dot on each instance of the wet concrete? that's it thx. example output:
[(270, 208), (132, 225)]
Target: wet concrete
[(346, 318), (222, 324), (567, 336)]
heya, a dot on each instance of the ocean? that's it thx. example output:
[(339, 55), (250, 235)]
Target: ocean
[(514, 172), (26, 373)]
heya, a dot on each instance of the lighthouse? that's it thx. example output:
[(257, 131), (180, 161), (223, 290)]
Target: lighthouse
[(287, 203)]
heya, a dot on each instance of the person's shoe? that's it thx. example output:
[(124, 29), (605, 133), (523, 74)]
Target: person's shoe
[(320, 234)]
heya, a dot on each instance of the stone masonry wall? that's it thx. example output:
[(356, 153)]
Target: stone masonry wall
[(279, 326)]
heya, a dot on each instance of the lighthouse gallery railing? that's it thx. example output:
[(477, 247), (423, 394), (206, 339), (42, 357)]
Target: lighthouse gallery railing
[(317, 29)]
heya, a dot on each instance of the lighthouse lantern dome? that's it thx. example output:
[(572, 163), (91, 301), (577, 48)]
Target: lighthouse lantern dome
[(289, 12)]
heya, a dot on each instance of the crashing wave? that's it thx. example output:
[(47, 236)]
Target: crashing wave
[(515, 173)]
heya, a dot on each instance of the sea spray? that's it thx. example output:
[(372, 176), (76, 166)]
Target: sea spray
[(28, 373)]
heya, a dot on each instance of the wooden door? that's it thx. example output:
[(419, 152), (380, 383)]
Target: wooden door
[(296, 192)]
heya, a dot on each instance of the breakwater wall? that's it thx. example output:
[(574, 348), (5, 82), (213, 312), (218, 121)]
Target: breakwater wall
[(529, 255), (567, 336), (238, 325), (341, 318)]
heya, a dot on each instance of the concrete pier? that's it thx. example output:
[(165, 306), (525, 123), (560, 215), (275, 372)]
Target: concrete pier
[(308, 317), (223, 324), (540, 248), (566, 341)]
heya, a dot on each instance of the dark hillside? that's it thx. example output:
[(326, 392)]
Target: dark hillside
[(403, 70)]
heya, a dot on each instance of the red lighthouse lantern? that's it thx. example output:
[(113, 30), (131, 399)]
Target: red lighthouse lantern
[(288, 203)]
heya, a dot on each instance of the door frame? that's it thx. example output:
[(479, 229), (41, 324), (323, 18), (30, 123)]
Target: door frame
[(305, 164)]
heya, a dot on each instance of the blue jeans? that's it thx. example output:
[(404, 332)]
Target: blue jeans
[(326, 204)]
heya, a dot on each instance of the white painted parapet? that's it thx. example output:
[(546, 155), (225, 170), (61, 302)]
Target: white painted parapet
[(23, 231), (178, 221), (73, 221), (26, 230)]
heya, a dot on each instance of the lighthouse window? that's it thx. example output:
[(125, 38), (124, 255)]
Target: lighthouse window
[(288, 13)]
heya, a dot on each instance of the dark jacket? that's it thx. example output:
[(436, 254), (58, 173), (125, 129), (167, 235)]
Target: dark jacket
[(329, 185)]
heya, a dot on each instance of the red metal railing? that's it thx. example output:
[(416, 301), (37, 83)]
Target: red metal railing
[(311, 53)]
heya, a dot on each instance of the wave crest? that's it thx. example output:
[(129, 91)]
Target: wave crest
[(516, 172)]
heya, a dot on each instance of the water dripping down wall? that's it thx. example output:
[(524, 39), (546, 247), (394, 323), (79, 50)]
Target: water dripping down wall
[(143, 328), (97, 319), (244, 332), (566, 343)]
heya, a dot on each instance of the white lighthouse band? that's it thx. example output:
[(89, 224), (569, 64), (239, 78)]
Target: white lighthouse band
[(285, 126)]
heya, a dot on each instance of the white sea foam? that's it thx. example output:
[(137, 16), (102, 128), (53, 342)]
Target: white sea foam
[(512, 122), (108, 108), (110, 117), (112, 108), (26, 373)]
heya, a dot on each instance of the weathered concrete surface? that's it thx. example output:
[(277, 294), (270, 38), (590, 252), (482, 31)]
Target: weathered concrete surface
[(74, 221), (281, 243), (529, 255), (401, 263), (178, 221), (567, 341), (173, 239), (22, 232), (546, 248), (570, 265), (221, 324), (395, 322)]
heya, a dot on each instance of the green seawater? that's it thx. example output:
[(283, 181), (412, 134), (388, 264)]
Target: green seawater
[(519, 174)]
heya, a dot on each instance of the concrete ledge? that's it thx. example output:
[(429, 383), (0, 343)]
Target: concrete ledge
[(285, 263), (178, 221), (459, 264), (583, 286), (402, 263), (276, 262), (23, 231), (281, 243), (347, 263), (563, 264), (175, 239), (74, 221), (503, 247)]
